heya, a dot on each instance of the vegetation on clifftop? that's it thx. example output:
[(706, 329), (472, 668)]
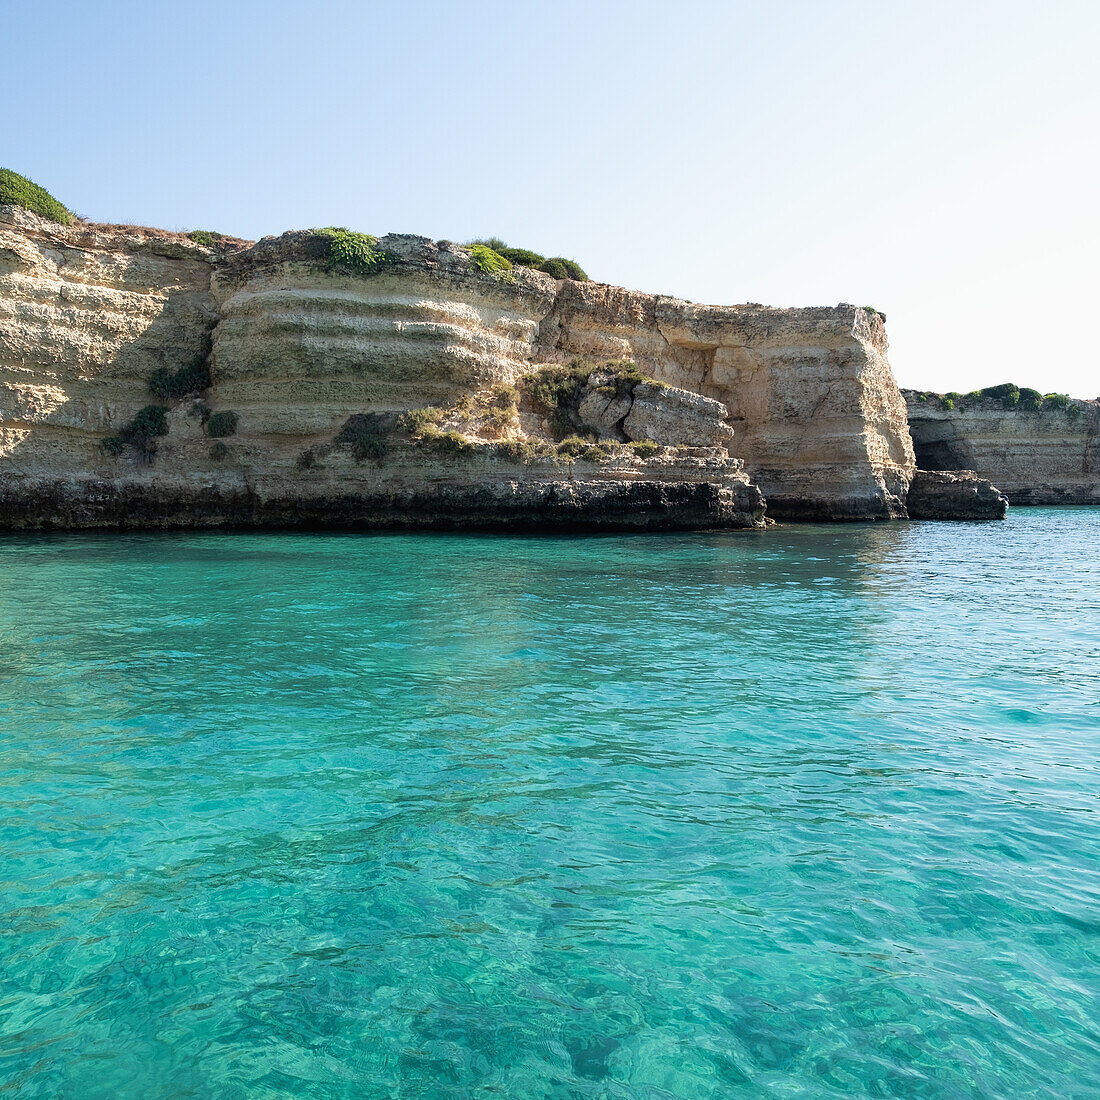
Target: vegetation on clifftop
[(1008, 395), (206, 237), (488, 261), (350, 251), (17, 190), (556, 266)]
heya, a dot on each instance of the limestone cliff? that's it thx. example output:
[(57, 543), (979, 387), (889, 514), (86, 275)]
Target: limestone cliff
[(817, 416), (1042, 452), (149, 379)]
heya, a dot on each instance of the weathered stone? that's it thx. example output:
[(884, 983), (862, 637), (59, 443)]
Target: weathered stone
[(604, 406), (958, 494), (669, 416), (818, 417)]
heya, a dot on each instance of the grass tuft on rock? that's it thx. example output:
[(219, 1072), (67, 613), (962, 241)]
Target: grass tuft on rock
[(450, 444), (17, 190), (352, 252), (416, 421), (206, 237), (488, 260), (523, 452), (220, 424)]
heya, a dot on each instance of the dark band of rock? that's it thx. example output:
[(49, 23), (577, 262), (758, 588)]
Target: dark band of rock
[(959, 494)]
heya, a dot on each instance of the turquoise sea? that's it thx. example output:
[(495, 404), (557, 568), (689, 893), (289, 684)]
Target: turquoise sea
[(810, 812)]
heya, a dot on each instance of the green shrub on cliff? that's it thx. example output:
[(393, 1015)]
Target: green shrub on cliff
[(557, 266), (206, 237), (169, 385), (367, 434), (416, 421), (556, 391), (560, 268), (139, 433), (644, 449), (523, 451), (1031, 400), (1008, 393), (504, 397), (625, 377), (219, 424), (1057, 401), (448, 444), (578, 447), (488, 260), (522, 256), (354, 252), (17, 190)]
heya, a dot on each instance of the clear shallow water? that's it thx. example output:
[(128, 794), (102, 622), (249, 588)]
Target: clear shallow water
[(808, 813)]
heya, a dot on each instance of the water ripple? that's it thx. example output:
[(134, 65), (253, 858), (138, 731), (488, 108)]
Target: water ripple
[(810, 813)]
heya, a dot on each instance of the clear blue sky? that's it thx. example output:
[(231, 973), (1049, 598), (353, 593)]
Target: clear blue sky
[(936, 160)]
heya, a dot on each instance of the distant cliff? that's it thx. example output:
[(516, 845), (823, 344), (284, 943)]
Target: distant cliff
[(151, 378), (1037, 450)]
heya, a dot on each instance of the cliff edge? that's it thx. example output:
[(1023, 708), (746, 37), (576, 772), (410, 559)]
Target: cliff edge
[(1037, 449), (150, 378)]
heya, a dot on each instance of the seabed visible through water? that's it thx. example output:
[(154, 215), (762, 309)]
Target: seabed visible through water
[(807, 812)]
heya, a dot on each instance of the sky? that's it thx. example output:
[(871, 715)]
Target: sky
[(938, 161)]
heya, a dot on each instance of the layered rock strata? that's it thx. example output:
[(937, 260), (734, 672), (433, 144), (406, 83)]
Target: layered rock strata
[(961, 494), (1044, 455), (149, 380), (817, 416), (293, 353)]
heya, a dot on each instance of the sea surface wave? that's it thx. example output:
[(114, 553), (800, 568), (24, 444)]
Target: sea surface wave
[(811, 812)]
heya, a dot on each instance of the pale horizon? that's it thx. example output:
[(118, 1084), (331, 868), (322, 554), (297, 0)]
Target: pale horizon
[(936, 164)]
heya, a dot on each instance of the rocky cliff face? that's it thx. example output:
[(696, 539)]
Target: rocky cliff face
[(817, 416), (1044, 455), (146, 379), (961, 494)]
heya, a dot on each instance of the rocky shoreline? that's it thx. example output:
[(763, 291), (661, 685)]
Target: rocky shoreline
[(152, 379)]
